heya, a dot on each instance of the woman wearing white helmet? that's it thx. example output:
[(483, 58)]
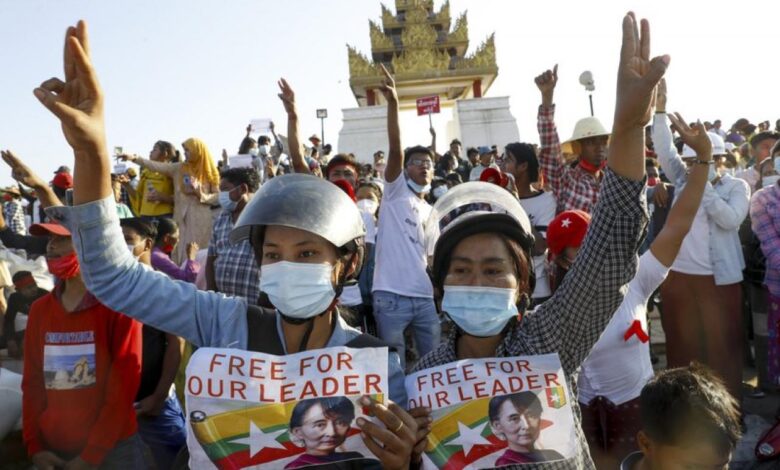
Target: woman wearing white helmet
[(481, 265), (306, 234)]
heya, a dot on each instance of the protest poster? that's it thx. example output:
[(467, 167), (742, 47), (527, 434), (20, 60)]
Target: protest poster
[(495, 412), (261, 126), (253, 410), (240, 161)]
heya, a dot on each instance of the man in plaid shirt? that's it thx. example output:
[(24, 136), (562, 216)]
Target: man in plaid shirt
[(572, 321), (575, 187), (13, 212), (231, 268)]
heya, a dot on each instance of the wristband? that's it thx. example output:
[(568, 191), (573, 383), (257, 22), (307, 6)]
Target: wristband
[(703, 163)]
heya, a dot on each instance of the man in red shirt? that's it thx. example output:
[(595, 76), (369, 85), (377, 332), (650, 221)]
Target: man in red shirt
[(82, 366)]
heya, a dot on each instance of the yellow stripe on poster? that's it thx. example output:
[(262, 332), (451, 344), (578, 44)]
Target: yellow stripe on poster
[(447, 425), (211, 429)]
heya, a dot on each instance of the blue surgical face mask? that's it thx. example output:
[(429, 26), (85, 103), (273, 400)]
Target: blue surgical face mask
[(479, 311), (298, 290), (225, 201), (417, 188)]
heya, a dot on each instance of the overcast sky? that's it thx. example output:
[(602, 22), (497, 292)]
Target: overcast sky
[(181, 68)]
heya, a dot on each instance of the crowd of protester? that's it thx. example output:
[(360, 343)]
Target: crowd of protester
[(345, 249)]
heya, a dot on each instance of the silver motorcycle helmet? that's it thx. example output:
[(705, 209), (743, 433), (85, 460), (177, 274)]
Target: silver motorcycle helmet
[(307, 203)]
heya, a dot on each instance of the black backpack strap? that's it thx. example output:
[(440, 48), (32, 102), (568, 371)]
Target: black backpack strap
[(367, 341), (261, 331)]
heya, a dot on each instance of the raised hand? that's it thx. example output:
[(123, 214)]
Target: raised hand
[(78, 101), (287, 96), (388, 86), (660, 97), (21, 172), (192, 250), (546, 83), (696, 137), (638, 76), (248, 129)]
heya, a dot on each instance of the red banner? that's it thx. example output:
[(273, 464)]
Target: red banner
[(428, 105)]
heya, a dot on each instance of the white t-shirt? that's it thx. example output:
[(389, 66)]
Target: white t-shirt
[(400, 243), (541, 210), (618, 369), (694, 256)]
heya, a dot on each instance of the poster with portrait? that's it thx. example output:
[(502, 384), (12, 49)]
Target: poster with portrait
[(495, 412), (255, 410)]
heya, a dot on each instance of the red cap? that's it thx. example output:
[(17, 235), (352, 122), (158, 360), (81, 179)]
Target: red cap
[(567, 229), (492, 175), (42, 230), (347, 188), (63, 180)]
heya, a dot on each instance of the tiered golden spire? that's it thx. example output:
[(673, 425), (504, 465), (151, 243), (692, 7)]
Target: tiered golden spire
[(419, 43)]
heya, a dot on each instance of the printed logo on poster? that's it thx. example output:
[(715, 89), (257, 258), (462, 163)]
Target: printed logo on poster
[(255, 410), (495, 412)]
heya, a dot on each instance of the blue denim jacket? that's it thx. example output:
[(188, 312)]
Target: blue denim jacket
[(202, 317), (726, 204)]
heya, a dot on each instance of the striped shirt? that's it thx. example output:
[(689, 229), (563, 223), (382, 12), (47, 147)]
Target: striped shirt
[(765, 221), (235, 270), (574, 187)]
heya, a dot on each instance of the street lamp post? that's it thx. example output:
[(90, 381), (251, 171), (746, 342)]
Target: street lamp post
[(586, 80), (322, 114)]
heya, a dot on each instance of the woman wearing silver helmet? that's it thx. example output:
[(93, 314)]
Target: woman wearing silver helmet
[(306, 234), (481, 264)]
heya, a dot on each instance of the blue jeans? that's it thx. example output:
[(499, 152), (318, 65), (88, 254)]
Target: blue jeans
[(165, 434), (393, 313)]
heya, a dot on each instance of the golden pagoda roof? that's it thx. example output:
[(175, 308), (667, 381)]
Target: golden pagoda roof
[(425, 53)]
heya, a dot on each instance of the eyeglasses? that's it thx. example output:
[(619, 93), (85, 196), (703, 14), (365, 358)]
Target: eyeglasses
[(422, 162)]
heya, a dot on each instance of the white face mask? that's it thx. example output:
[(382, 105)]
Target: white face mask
[(768, 181), (265, 149), (253, 151), (225, 201), (131, 249), (298, 290), (439, 191), (368, 205)]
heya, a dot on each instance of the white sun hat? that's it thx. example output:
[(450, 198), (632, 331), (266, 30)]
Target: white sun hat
[(585, 128)]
